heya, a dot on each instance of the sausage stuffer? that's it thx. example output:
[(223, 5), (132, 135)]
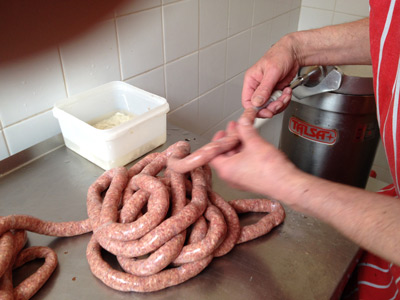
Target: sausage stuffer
[(319, 78)]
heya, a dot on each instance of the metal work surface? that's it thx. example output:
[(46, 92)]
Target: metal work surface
[(300, 259)]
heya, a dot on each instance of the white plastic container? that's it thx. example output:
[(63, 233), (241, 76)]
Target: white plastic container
[(117, 146)]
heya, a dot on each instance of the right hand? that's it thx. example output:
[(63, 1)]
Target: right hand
[(274, 71), (254, 165)]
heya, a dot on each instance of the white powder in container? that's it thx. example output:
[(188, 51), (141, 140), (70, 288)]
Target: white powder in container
[(115, 120)]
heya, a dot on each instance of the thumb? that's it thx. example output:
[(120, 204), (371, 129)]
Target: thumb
[(248, 133), (261, 95), (266, 87)]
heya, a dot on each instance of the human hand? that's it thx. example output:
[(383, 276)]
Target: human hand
[(254, 165), (274, 71)]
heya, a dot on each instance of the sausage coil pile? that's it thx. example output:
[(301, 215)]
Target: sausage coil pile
[(164, 227)]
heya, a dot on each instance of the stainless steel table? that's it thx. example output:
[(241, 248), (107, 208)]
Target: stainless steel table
[(301, 259)]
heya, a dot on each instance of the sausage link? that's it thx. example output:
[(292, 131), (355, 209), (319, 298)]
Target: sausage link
[(127, 282), (265, 224), (18, 241), (203, 155), (156, 165), (198, 231), (33, 283), (132, 206), (157, 210), (138, 167), (157, 261), (6, 251), (232, 221), (164, 231), (30, 223), (164, 255), (139, 212), (6, 285), (206, 153), (211, 241)]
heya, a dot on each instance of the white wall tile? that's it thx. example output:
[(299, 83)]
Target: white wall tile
[(311, 18), (3, 147), (282, 6), (233, 95), (182, 78), (92, 59), (260, 41), (279, 27), (140, 42), (187, 117), (326, 4), (263, 11), (30, 86), (212, 66), (238, 52), (211, 106), (354, 7), (31, 131), (340, 18), (171, 59), (296, 3), (169, 1), (152, 81), (181, 28), (213, 21), (294, 16), (240, 15), (208, 135), (132, 6)]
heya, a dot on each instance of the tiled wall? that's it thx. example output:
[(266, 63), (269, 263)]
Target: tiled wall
[(193, 52), (316, 13)]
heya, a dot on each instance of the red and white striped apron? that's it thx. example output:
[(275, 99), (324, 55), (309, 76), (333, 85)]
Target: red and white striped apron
[(377, 278)]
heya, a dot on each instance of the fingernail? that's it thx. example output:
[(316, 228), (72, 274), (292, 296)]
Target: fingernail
[(278, 107), (258, 100), (286, 99)]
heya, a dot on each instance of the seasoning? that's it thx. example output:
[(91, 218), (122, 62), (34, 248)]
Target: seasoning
[(115, 120)]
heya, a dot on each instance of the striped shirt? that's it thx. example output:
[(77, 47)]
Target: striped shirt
[(377, 278)]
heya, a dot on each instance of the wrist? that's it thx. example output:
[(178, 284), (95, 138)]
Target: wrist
[(293, 42), (293, 191)]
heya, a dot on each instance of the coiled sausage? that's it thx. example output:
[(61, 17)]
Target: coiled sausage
[(163, 208)]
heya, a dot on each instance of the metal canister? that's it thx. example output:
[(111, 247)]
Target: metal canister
[(333, 135)]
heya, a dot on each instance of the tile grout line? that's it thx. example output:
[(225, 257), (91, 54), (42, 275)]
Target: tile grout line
[(164, 64), (118, 49)]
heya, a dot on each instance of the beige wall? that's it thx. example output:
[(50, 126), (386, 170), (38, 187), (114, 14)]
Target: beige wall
[(192, 52)]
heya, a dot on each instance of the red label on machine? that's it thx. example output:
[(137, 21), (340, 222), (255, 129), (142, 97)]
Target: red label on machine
[(312, 132)]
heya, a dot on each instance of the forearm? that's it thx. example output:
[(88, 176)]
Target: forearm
[(333, 45), (369, 219)]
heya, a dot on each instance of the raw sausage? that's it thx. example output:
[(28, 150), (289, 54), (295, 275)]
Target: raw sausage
[(265, 224), (206, 153), (163, 208)]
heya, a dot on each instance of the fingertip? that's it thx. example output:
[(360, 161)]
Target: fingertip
[(286, 95), (287, 90), (218, 135), (278, 107), (231, 127), (265, 114)]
